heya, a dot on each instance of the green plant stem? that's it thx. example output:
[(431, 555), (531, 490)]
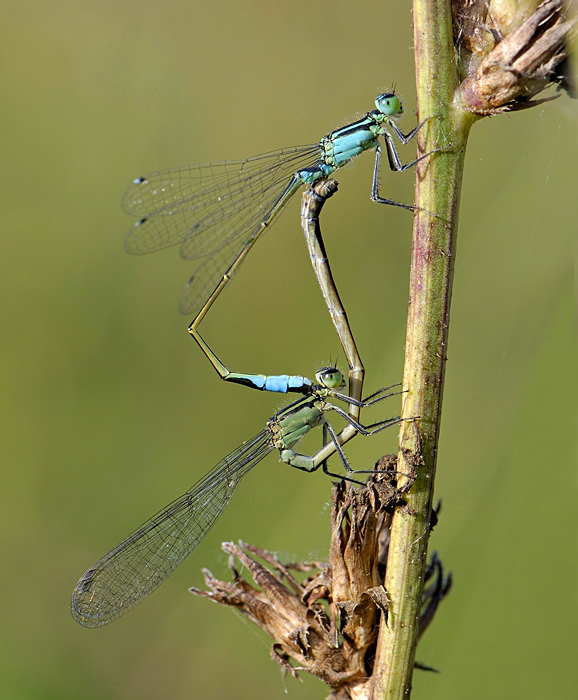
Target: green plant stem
[(433, 257)]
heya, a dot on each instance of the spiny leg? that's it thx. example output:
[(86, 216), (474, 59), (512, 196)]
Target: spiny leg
[(344, 460), (396, 165), (371, 399), (406, 138), (310, 463), (365, 430), (380, 426), (395, 162), (377, 428)]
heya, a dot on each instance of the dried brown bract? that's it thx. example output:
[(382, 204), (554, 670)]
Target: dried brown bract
[(508, 52), (327, 623)]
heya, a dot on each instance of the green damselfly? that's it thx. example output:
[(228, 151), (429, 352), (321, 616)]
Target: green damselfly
[(141, 562)]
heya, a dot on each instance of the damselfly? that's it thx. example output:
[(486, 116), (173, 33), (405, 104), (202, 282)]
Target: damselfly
[(218, 211), (140, 563)]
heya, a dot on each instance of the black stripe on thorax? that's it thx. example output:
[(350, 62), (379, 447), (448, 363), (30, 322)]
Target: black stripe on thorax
[(353, 128)]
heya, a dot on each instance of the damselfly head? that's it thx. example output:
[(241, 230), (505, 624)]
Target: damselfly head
[(388, 103), (330, 378)]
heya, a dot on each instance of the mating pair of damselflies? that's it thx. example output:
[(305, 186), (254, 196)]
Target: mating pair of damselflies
[(218, 211)]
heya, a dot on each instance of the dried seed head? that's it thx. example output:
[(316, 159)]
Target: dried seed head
[(327, 623), (508, 51)]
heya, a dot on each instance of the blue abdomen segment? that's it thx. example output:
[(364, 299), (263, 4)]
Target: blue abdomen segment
[(280, 383), (309, 176)]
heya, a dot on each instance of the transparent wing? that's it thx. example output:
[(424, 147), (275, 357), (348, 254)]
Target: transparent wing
[(236, 236), (194, 201), (141, 562)]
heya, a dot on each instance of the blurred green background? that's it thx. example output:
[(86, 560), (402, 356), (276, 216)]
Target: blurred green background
[(109, 411)]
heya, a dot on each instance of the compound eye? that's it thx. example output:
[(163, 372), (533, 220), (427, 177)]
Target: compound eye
[(388, 104), (330, 377)]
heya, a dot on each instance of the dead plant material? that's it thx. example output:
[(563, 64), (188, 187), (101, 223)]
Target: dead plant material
[(506, 59), (326, 624)]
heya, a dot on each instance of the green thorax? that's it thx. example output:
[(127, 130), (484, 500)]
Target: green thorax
[(291, 424)]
